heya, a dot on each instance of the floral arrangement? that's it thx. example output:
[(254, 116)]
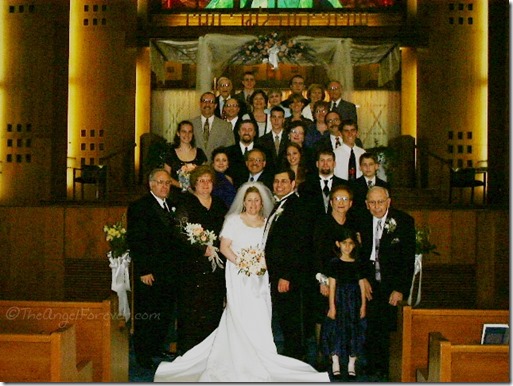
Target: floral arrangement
[(422, 244), (273, 48), (197, 235), (184, 176), (278, 213), (390, 225), (116, 236), (251, 261)]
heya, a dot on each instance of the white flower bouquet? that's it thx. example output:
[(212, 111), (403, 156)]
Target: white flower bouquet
[(184, 176), (197, 235), (251, 261)]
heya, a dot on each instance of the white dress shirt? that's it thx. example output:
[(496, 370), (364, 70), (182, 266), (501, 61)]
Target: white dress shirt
[(342, 154)]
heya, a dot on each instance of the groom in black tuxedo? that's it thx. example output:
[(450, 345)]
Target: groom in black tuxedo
[(286, 261), (154, 244), (387, 262)]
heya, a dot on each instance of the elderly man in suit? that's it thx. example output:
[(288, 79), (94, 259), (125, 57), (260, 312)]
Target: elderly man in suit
[(255, 170), (285, 234), (387, 266), (224, 87), (155, 247), (211, 132), (345, 109)]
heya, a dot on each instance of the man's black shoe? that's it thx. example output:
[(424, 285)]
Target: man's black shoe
[(166, 356)]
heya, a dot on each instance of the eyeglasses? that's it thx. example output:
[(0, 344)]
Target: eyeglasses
[(163, 182), (333, 88), (320, 111), (379, 202), (256, 160), (224, 85), (294, 131), (231, 105), (333, 120), (210, 101), (204, 180), (345, 199)]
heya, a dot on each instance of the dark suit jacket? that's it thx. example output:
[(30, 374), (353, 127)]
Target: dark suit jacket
[(266, 142), (286, 245), (360, 188), (221, 134), (153, 238), (312, 195), (346, 110), (217, 111), (267, 178), (243, 104), (396, 251)]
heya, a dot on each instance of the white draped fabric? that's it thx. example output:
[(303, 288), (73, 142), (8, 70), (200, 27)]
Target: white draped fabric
[(378, 111)]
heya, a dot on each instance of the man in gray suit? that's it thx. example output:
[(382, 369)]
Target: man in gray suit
[(210, 131)]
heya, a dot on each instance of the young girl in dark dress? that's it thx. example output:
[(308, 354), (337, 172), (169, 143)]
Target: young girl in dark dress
[(344, 329)]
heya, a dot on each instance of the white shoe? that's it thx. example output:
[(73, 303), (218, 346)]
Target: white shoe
[(335, 366)]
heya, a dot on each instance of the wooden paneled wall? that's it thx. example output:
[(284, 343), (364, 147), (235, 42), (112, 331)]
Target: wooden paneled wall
[(37, 243)]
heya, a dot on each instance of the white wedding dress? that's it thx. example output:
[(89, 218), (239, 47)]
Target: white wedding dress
[(242, 348)]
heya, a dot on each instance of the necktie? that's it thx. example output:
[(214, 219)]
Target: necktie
[(376, 255), (351, 170), (326, 189), (333, 106), (277, 143), (337, 142), (370, 184), (206, 132), (245, 150), (166, 208), (251, 179)]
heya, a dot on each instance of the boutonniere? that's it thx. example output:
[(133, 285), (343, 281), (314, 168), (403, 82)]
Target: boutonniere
[(390, 225), (173, 209), (278, 213), (395, 241)]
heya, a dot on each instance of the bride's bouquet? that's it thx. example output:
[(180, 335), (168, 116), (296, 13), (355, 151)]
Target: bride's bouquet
[(197, 235), (251, 261)]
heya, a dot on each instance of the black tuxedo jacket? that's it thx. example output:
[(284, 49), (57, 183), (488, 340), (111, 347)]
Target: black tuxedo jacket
[(286, 246), (153, 238), (266, 142), (360, 188), (312, 195), (396, 251)]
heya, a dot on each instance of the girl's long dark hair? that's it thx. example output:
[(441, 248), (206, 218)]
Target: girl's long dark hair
[(347, 233)]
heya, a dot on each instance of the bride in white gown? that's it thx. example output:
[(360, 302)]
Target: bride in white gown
[(242, 348)]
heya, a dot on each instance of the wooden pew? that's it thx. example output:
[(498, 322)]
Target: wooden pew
[(464, 362), (409, 344), (29, 354), (101, 336)]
